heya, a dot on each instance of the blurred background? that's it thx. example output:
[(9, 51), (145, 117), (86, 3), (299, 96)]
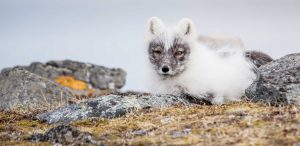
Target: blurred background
[(110, 32)]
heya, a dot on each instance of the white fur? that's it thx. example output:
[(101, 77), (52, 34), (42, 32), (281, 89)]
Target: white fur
[(219, 41), (206, 71)]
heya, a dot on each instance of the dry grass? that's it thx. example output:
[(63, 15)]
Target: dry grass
[(237, 123), (16, 128)]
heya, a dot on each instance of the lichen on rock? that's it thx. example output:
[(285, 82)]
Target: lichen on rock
[(71, 82), (84, 80), (99, 77), (24, 92), (109, 106), (278, 82)]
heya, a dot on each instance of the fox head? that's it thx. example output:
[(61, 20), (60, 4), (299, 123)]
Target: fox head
[(169, 49)]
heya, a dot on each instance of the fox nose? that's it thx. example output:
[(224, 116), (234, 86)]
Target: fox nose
[(165, 69)]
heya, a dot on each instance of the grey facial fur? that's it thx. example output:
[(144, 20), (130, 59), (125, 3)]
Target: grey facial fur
[(174, 58)]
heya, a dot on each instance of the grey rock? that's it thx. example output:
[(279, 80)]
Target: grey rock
[(66, 135), (278, 82), (184, 132), (98, 77), (109, 106), (141, 132), (24, 92)]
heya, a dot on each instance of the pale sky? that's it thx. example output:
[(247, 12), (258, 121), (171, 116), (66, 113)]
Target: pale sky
[(110, 32)]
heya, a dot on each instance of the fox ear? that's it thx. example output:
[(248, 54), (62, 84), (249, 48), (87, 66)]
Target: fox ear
[(155, 26), (186, 27)]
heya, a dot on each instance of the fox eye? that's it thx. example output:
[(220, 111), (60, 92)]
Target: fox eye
[(157, 50), (179, 53)]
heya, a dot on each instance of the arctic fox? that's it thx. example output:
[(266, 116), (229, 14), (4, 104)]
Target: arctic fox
[(180, 64)]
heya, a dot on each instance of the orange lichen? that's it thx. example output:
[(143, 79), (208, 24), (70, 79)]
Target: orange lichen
[(71, 82)]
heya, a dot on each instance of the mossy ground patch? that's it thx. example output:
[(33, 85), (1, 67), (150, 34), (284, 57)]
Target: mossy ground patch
[(240, 123)]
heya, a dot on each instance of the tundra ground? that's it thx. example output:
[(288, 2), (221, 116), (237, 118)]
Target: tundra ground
[(239, 123)]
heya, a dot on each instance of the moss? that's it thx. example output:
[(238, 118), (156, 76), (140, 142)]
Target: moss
[(16, 128), (91, 122)]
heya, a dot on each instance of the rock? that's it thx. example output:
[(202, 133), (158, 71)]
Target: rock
[(184, 132), (98, 77), (110, 106), (65, 134), (258, 58), (278, 82), (24, 92)]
